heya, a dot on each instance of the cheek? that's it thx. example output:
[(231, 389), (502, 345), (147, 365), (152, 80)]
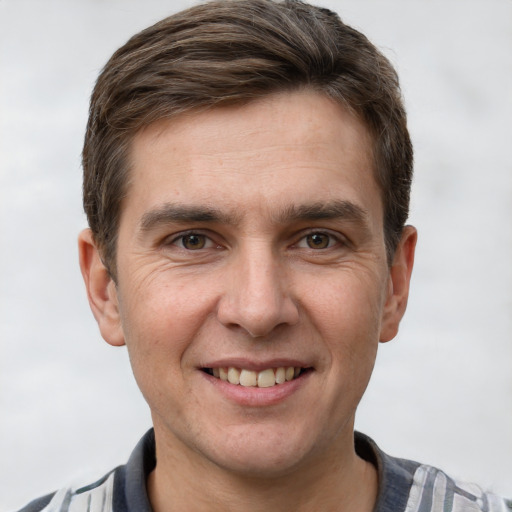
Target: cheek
[(160, 319), (160, 327), (347, 304), (347, 314)]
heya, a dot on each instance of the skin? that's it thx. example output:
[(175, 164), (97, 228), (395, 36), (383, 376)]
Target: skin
[(253, 236)]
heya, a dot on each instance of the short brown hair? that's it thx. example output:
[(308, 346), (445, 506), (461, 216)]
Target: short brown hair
[(233, 51)]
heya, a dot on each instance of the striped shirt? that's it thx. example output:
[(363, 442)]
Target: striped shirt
[(404, 486)]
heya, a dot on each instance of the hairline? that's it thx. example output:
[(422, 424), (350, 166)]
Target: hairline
[(109, 251)]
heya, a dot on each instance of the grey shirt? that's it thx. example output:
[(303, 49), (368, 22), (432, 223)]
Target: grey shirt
[(404, 486)]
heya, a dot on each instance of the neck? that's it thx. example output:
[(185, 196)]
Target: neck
[(338, 481)]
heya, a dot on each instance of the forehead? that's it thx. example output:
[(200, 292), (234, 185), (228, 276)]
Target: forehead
[(300, 146)]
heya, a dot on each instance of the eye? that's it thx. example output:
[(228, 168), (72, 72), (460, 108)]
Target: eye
[(193, 241), (317, 240)]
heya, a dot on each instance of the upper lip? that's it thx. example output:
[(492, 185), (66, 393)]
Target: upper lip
[(251, 364)]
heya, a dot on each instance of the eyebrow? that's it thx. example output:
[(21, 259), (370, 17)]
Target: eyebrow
[(170, 213), (339, 209)]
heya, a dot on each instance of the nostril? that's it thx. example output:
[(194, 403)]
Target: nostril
[(257, 303)]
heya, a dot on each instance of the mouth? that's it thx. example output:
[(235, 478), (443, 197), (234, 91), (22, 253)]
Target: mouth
[(266, 378)]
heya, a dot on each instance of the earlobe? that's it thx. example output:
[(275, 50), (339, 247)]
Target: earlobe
[(398, 285), (101, 290)]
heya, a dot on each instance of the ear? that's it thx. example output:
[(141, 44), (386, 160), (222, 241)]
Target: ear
[(101, 290), (398, 284)]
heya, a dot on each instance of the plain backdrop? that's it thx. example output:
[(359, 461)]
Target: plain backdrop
[(441, 392)]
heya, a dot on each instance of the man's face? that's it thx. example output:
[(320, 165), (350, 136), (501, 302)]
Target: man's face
[(251, 241)]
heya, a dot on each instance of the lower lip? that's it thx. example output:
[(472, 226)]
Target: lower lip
[(253, 396)]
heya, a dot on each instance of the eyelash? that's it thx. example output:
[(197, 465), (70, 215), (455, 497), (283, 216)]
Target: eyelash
[(208, 243), (179, 240), (332, 241)]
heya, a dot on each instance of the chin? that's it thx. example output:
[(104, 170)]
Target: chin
[(261, 454)]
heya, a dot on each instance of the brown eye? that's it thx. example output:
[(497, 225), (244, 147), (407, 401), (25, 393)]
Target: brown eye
[(318, 241), (193, 242)]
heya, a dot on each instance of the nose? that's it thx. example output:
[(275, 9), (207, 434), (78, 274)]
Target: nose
[(256, 295)]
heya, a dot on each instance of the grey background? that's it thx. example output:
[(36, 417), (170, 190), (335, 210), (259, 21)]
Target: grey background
[(441, 392)]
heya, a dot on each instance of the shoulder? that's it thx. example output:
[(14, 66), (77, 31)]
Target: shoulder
[(434, 490), (408, 486), (97, 497), (38, 504), (123, 489)]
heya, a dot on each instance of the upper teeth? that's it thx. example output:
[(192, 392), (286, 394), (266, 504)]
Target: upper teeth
[(263, 379)]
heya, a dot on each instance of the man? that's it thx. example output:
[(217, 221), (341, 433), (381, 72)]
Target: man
[(247, 169)]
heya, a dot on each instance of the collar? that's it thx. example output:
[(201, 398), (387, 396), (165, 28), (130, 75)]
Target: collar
[(395, 476)]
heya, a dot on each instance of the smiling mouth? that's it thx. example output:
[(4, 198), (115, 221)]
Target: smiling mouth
[(262, 379)]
